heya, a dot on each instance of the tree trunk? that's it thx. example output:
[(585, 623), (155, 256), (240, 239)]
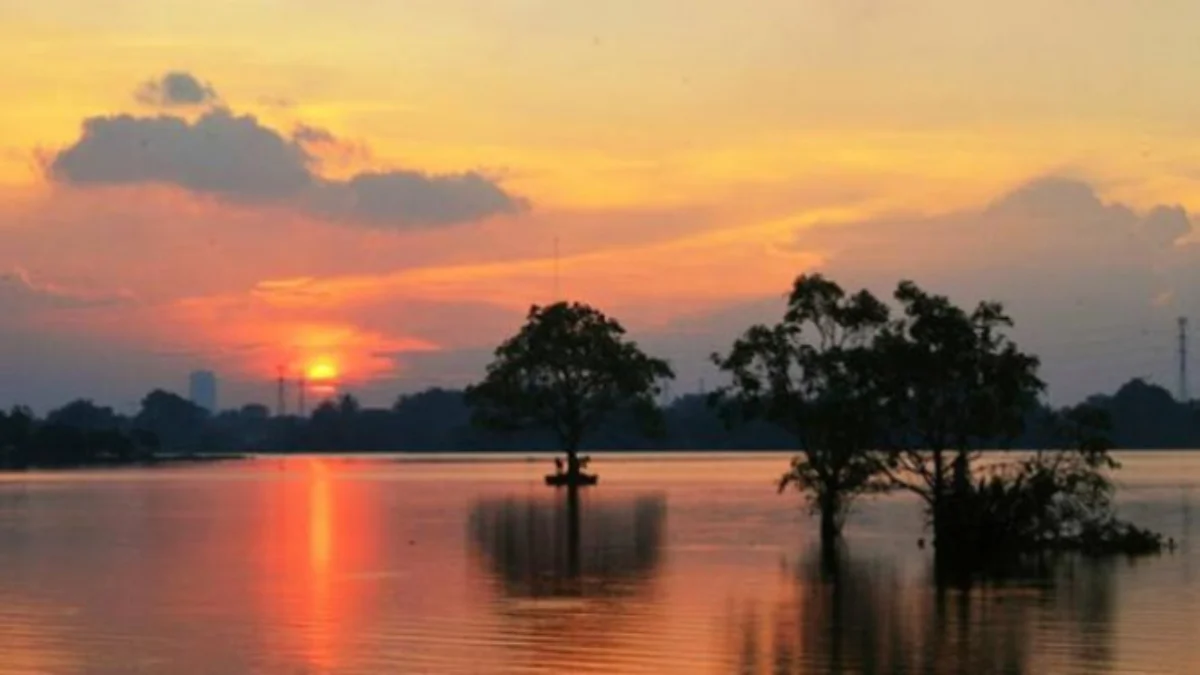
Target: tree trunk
[(573, 439), (937, 502), (830, 506), (573, 463), (573, 531), (829, 528)]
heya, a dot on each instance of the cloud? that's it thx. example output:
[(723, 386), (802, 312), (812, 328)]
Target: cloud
[(1166, 225), (420, 198), (236, 158), (220, 154), (1094, 286), (19, 292), (306, 133), (175, 89)]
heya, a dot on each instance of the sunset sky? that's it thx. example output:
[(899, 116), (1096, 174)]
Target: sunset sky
[(370, 191)]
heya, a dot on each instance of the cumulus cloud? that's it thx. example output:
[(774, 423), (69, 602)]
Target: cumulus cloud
[(237, 158), (220, 154), (1094, 286), (1050, 227), (422, 198), (176, 89)]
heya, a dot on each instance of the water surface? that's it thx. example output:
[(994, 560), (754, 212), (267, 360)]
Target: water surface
[(682, 565)]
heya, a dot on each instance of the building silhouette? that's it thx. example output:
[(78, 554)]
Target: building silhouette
[(202, 389)]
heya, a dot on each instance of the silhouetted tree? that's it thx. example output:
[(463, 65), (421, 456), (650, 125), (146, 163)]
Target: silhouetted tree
[(16, 427), (568, 369), (327, 429), (84, 414), (1058, 497), (255, 412), (1145, 415), (178, 423), (815, 374), (433, 419), (955, 384)]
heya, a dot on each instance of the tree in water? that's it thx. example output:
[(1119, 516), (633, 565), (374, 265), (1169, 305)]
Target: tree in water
[(568, 369), (954, 384), (1056, 498), (815, 374)]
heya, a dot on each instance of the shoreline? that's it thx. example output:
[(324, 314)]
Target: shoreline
[(157, 460)]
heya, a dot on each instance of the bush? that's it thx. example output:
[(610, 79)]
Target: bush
[(1051, 501)]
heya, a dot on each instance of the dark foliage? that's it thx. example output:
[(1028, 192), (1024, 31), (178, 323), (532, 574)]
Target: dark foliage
[(815, 375), (570, 370), (912, 403), (953, 385), (438, 420)]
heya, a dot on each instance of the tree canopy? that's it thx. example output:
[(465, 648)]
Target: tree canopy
[(910, 402), (953, 384), (815, 374), (568, 369)]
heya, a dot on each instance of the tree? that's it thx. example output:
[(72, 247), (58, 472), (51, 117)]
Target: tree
[(815, 375), (1056, 498), (178, 423), (84, 414), (332, 425), (434, 419), (16, 427), (954, 384), (568, 369)]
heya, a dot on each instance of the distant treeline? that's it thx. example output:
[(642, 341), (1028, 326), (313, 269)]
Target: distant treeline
[(1144, 416)]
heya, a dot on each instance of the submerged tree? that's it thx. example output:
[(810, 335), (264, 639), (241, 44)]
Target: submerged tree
[(568, 369), (954, 385), (816, 374), (1056, 498)]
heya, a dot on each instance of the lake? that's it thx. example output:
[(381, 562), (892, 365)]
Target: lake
[(681, 564)]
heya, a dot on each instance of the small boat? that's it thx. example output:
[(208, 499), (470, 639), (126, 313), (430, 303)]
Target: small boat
[(565, 479)]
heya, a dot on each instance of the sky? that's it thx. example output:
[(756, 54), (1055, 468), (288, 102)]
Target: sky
[(374, 192)]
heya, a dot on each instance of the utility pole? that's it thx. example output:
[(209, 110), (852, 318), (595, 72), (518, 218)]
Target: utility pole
[(1184, 395), (300, 387), (280, 402)]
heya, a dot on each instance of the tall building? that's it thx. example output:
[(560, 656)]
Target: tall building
[(202, 389)]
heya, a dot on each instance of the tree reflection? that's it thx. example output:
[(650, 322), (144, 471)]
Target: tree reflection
[(567, 546), (846, 615), (574, 576)]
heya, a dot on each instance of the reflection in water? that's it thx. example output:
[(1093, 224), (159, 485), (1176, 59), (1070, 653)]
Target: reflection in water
[(318, 534), (324, 565), (574, 577), (320, 553), (562, 547), (846, 615)]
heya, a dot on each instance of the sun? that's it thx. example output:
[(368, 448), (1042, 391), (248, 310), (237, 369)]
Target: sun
[(322, 371)]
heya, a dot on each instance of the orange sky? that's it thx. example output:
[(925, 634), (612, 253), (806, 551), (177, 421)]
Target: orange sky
[(219, 209)]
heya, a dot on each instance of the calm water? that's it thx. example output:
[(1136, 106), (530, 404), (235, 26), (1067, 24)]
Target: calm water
[(682, 565)]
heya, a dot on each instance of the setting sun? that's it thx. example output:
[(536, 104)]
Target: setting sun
[(322, 371)]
